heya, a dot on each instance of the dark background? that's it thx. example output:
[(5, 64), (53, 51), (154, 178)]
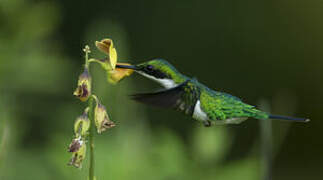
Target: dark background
[(265, 52)]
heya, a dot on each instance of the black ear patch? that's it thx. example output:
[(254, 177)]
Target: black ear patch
[(150, 67), (151, 70)]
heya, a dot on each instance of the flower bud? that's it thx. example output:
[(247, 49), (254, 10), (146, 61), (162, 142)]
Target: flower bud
[(86, 49), (83, 90), (102, 120), (82, 124), (78, 150), (106, 46)]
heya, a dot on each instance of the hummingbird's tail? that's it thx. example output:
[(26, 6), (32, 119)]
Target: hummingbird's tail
[(288, 118)]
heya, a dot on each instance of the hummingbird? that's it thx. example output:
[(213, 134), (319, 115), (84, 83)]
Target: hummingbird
[(193, 98)]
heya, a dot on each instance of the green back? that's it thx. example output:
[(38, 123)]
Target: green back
[(222, 106)]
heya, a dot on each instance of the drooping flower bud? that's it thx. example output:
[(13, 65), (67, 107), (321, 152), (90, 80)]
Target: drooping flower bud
[(102, 120), (78, 150), (118, 74), (106, 46), (83, 90), (82, 124)]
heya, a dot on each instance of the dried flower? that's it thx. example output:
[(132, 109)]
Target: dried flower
[(78, 150), (75, 145), (83, 90)]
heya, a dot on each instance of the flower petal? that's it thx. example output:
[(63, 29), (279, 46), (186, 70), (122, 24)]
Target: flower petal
[(106, 46), (118, 74), (113, 57)]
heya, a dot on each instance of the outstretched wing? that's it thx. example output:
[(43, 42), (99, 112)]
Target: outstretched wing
[(182, 97)]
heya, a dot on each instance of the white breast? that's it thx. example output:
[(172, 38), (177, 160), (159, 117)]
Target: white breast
[(199, 114), (167, 83)]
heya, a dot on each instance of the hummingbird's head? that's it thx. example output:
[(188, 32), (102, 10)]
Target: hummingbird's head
[(158, 70)]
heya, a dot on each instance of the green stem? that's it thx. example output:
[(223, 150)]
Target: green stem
[(91, 116), (91, 134), (87, 51)]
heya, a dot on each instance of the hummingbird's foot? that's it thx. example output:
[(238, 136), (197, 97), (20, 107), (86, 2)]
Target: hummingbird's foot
[(207, 123)]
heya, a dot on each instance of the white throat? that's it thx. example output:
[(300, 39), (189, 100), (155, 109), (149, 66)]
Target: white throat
[(198, 113), (167, 83)]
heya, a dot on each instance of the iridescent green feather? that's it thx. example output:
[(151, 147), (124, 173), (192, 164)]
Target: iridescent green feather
[(222, 106)]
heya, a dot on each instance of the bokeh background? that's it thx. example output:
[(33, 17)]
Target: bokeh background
[(269, 53)]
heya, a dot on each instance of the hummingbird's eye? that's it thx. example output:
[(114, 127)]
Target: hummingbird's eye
[(150, 67)]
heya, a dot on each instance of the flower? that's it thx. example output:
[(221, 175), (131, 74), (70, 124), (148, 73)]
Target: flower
[(114, 74), (82, 124), (83, 90), (78, 146), (118, 74), (102, 120), (78, 150), (106, 46)]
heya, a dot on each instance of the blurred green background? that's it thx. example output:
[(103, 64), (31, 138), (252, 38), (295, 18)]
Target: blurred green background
[(267, 51)]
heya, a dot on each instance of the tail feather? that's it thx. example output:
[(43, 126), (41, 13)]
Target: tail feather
[(289, 118)]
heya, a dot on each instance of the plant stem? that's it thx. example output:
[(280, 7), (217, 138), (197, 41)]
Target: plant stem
[(91, 134), (91, 116), (87, 51)]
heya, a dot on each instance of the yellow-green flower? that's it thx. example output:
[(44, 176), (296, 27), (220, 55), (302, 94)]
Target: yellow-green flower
[(82, 125), (102, 120), (83, 90), (106, 46), (78, 150), (114, 75)]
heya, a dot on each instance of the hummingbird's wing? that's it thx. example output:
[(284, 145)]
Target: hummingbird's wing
[(182, 98)]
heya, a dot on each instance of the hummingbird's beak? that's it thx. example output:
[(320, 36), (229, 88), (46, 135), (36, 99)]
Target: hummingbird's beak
[(127, 66)]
